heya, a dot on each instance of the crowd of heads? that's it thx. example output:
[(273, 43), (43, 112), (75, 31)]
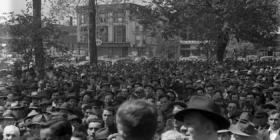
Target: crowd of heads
[(144, 100)]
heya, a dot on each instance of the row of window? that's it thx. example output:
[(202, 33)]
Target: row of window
[(118, 17), (119, 33)]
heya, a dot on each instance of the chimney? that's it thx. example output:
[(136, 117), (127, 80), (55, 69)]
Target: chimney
[(71, 21)]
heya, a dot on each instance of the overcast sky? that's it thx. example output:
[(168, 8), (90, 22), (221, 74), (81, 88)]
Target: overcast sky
[(11, 5)]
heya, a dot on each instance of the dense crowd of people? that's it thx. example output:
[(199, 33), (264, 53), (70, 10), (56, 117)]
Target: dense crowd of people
[(152, 99)]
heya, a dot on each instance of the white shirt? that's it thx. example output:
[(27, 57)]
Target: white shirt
[(273, 134)]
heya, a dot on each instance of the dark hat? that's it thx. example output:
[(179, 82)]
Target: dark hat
[(269, 106), (261, 114), (104, 84), (97, 103), (148, 85), (207, 108), (26, 98), (74, 117), (66, 106), (72, 97), (3, 97)]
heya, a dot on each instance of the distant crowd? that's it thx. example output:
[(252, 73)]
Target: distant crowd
[(86, 102)]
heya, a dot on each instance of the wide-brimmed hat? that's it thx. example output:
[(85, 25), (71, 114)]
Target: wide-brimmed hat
[(41, 119), (33, 106), (15, 106), (206, 107), (32, 114), (223, 131), (66, 106), (244, 129)]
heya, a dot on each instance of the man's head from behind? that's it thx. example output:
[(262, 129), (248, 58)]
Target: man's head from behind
[(137, 119), (56, 130), (11, 132)]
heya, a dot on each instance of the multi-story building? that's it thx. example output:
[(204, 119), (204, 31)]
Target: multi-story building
[(116, 26)]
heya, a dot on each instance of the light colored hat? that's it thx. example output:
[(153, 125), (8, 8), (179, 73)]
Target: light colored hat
[(223, 131), (172, 135), (244, 129)]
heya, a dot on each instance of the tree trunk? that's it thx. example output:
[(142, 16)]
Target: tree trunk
[(92, 32), (222, 43), (37, 38)]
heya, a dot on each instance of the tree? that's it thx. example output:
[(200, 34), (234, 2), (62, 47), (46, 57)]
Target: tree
[(37, 42), (256, 21), (21, 28), (64, 9)]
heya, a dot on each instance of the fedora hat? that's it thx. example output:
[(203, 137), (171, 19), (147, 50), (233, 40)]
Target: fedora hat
[(244, 129), (206, 107)]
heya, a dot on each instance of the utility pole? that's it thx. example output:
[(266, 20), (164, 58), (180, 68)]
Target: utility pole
[(92, 33), (37, 38)]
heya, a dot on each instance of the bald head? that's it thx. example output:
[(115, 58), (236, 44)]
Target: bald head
[(11, 132)]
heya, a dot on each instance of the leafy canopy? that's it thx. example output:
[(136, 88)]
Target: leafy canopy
[(256, 21)]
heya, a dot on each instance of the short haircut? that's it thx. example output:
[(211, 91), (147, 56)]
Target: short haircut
[(273, 112), (138, 119), (90, 120), (60, 128), (80, 135)]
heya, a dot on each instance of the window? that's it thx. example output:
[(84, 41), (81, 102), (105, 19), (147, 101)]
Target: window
[(83, 19), (103, 18), (84, 29), (84, 39), (120, 33), (119, 17), (102, 33)]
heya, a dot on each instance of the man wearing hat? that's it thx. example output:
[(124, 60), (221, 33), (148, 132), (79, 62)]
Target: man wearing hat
[(202, 118), (244, 131)]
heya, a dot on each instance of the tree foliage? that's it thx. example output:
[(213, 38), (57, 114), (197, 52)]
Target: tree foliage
[(255, 21), (20, 28)]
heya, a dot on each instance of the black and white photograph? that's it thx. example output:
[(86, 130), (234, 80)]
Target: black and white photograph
[(139, 69)]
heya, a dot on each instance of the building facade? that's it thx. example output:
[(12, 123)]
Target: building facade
[(116, 27)]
